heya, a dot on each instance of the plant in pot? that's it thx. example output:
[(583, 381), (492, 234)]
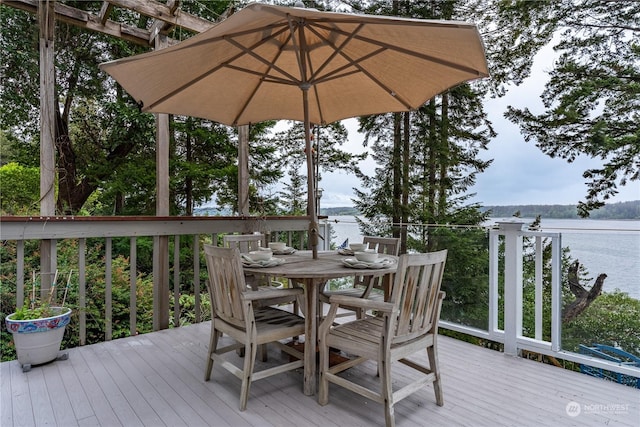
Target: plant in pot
[(38, 327)]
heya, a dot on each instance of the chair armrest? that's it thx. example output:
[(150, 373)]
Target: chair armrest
[(271, 293), (364, 303)]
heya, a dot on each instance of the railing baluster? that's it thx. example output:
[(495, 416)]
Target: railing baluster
[(82, 290), (176, 280), (556, 294), (196, 276), (20, 273), (538, 291), (108, 278), (133, 283), (494, 298)]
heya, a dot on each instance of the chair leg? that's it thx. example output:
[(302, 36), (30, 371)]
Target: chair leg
[(384, 370), (213, 344), (432, 352), (323, 391), (262, 350), (249, 364)]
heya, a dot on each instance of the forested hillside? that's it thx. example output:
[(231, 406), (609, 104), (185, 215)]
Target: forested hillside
[(621, 210)]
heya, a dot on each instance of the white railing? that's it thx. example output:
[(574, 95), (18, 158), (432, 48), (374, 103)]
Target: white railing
[(512, 236)]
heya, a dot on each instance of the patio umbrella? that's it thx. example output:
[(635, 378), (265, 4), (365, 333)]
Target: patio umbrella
[(273, 62)]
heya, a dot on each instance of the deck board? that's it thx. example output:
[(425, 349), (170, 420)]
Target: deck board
[(157, 379)]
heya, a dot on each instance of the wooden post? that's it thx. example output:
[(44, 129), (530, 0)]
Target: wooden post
[(161, 243), (243, 170), (46, 22)]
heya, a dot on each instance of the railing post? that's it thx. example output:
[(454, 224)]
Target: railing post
[(512, 285), (160, 282), (556, 294)]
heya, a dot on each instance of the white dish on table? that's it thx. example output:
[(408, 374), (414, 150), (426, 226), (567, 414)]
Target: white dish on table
[(288, 250), (260, 255), (369, 255), (379, 263), (358, 246), (272, 262), (277, 246)]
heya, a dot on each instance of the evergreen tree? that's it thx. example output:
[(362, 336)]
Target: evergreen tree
[(328, 157), (593, 97)]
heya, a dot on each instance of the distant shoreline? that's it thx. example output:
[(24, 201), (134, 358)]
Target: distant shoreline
[(622, 210)]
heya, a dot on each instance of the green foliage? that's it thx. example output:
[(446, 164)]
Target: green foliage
[(328, 157), (592, 99), (466, 275), (19, 189), (188, 306), (26, 312), (95, 293), (612, 319)]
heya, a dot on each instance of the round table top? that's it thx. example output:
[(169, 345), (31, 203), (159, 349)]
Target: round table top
[(328, 265)]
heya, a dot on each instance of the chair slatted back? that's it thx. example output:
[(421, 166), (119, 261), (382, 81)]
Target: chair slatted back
[(244, 242), (226, 284), (384, 245), (415, 294)]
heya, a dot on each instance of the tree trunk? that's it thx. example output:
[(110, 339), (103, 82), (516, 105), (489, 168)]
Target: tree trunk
[(397, 173), (406, 185), (445, 157), (584, 297), (432, 171), (188, 183), (71, 193)]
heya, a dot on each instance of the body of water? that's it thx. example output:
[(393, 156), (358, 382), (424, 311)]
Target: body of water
[(602, 246)]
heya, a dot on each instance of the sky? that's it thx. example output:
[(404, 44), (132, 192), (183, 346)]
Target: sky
[(520, 173)]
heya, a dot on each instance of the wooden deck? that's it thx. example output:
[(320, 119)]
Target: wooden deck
[(157, 379)]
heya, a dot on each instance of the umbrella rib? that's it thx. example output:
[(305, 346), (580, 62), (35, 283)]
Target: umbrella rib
[(382, 85), (296, 48), (263, 76), (315, 87), (336, 49), (244, 50), (270, 64), (408, 51), (187, 84), (356, 64)]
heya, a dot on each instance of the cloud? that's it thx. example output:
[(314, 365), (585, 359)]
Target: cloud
[(520, 172)]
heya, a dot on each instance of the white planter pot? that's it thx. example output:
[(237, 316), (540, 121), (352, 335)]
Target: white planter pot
[(38, 340)]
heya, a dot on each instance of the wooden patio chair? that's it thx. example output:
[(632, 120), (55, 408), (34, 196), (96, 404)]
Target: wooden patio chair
[(233, 312), (246, 243), (406, 324), (363, 286)]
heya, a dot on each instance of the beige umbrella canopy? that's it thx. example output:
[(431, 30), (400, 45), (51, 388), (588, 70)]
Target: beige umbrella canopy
[(272, 62)]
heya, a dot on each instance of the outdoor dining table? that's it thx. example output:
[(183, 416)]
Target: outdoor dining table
[(300, 267)]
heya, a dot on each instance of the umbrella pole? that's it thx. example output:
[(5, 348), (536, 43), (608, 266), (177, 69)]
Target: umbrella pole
[(311, 199)]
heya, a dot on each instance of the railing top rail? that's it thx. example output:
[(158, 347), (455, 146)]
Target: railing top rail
[(68, 218), (26, 228)]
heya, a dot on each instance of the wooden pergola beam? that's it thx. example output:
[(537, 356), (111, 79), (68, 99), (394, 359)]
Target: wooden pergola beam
[(105, 11), (162, 13), (167, 13), (160, 26)]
